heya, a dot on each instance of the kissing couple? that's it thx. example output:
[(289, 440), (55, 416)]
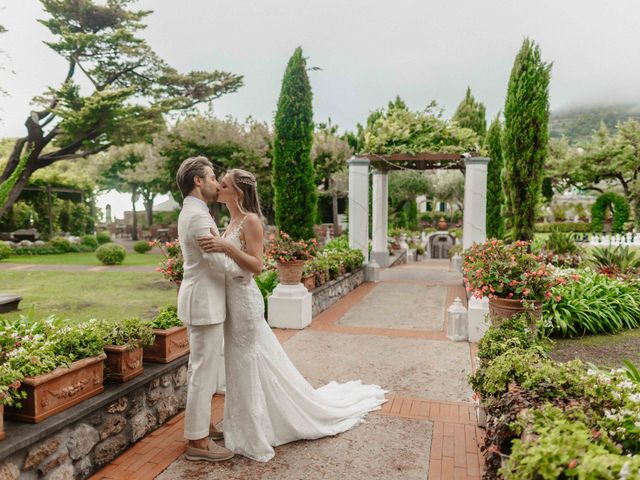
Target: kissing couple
[(267, 401)]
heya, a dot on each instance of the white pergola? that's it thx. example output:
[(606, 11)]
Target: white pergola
[(475, 196)]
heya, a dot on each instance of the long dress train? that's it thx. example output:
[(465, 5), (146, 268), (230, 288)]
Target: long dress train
[(268, 402)]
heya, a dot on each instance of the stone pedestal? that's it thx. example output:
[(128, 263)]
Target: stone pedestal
[(478, 318), (372, 272), (475, 201), (290, 306), (359, 204), (380, 252)]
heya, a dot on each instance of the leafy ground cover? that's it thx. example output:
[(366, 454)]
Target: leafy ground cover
[(80, 296)]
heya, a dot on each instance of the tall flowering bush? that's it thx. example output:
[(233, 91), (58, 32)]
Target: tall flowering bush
[(495, 269), (172, 265), (282, 248)]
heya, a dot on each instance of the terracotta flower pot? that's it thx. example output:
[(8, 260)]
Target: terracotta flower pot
[(290, 273), (2, 435), (505, 308), (56, 391), (168, 345), (309, 281), (442, 224), (123, 364)]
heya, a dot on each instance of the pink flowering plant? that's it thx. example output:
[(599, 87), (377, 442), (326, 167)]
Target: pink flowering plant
[(282, 248), (172, 265), (495, 269)]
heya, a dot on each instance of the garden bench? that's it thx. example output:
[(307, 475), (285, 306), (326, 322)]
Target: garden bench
[(9, 302)]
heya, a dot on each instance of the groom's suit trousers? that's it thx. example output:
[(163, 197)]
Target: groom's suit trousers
[(205, 342)]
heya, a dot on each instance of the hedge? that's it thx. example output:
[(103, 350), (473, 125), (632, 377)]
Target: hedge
[(570, 227)]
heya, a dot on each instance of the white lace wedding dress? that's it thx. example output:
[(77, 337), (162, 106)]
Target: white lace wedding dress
[(268, 402)]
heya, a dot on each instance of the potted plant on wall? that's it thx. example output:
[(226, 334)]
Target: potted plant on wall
[(60, 366), (513, 279), (309, 276), (123, 343), (290, 256), (9, 391), (171, 339)]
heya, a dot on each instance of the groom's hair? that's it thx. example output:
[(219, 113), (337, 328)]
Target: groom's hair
[(189, 169)]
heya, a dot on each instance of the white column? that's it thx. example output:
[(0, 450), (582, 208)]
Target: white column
[(475, 201), (380, 252), (359, 204)]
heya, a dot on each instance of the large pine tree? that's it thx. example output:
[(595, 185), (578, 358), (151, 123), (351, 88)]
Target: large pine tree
[(293, 174), (525, 137), (495, 195), (471, 114)]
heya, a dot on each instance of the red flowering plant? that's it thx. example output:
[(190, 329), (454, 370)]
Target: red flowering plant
[(171, 266), (282, 248), (495, 269)]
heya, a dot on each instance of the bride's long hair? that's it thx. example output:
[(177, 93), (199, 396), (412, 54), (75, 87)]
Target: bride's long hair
[(245, 184)]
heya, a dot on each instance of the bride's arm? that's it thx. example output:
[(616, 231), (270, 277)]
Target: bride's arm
[(251, 259)]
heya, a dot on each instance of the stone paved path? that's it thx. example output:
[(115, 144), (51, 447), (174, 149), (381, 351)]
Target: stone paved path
[(427, 429)]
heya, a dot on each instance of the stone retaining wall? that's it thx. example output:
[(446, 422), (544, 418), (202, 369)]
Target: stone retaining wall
[(77, 442), (329, 293)]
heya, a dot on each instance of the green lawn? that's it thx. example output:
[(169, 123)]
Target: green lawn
[(80, 296), (89, 258), (603, 350)]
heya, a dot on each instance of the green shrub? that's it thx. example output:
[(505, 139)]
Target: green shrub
[(131, 332), (594, 304), (618, 206), (142, 246), (103, 237), (5, 250), (567, 227), (514, 332), (561, 242), (267, 281), (111, 254), (60, 243), (457, 248), (167, 318), (47, 250), (89, 241), (340, 243)]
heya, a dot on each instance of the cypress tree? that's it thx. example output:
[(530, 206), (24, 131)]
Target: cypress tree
[(294, 186), (471, 114), (525, 137), (495, 195)]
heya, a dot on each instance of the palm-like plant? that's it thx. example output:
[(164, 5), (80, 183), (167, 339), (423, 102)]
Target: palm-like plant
[(620, 260)]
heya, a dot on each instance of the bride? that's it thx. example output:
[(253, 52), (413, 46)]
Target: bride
[(268, 402)]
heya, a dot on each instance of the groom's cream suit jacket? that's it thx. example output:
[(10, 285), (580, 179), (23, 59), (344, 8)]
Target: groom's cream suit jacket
[(202, 296)]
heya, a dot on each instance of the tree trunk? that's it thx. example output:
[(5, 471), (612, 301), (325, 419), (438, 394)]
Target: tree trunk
[(334, 208), (147, 200), (134, 231)]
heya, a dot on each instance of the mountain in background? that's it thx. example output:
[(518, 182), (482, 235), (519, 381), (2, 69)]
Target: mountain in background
[(578, 123)]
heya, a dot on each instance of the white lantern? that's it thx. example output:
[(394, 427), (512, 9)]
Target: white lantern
[(458, 323), (456, 263)]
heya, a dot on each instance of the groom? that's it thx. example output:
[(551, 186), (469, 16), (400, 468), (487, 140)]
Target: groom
[(201, 306)]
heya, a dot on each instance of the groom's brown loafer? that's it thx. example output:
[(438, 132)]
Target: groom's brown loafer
[(213, 453), (215, 433)]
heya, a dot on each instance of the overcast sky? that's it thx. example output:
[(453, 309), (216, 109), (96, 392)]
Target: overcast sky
[(368, 51)]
